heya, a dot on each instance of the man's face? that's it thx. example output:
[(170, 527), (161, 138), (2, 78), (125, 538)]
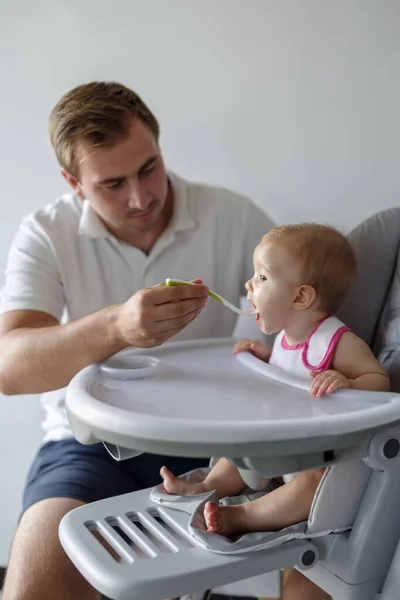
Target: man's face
[(125, 183)]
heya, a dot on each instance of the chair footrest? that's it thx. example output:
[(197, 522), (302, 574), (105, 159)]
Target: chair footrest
[(149, 554)]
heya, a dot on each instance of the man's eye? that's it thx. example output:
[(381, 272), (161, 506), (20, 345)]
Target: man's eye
[(262, 278), (148, 170), (115, 185)]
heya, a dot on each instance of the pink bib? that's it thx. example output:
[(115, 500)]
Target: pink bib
[(315, 354)]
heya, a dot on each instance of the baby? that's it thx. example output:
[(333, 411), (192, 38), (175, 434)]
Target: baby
[(301, 276)]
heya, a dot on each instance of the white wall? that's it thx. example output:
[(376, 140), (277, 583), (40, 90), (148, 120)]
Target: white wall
[(293, 102)]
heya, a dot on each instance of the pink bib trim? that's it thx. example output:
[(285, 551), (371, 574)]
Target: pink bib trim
[(287, 346), (327, 360)]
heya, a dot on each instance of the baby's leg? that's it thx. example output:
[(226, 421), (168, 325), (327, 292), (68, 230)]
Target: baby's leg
[(284, 506), (224, 477)]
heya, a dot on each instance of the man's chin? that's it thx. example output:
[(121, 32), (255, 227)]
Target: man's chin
[(139, 228), (135, 224)]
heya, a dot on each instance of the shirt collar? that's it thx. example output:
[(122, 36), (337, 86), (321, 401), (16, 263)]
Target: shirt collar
[(91, 225)]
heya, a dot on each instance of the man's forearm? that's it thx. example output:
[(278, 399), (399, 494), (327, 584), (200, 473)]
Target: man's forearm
[(35, 360)]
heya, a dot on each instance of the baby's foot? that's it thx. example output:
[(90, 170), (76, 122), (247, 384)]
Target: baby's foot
[(226, 520), (178, 486)]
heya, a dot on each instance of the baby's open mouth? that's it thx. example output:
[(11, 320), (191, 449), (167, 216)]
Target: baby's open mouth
[(255, 307)]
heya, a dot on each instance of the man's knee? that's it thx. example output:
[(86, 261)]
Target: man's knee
[(39, 567), (297, 586)]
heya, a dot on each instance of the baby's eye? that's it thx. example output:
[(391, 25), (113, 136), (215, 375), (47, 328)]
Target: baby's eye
[(262, 278)]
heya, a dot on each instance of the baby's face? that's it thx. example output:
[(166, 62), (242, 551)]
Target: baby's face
[(272, 288)]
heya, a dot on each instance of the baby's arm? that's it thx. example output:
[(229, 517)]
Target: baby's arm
[(256, 347), (354, 366)]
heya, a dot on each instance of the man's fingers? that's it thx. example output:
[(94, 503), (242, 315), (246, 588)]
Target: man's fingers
[(167, 326), (163, 294), (176, 310)]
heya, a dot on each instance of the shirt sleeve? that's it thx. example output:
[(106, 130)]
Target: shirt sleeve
[(32, 277)]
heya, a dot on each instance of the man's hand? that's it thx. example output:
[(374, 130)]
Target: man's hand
[(256, 347), (327, 382), (153, 315)]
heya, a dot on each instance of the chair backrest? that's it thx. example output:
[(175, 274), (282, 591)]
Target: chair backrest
[(372, 311), (372, 308), (376, 244), (366, 493)]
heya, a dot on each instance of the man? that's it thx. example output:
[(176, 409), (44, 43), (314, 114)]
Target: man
[(83, 282)]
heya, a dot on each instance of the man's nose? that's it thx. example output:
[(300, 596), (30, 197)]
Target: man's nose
[(138, 198)]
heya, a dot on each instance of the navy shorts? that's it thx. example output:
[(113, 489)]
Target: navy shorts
[(68, 469)]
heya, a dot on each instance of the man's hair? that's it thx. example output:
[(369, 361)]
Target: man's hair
[(94, 114), (326, 258)]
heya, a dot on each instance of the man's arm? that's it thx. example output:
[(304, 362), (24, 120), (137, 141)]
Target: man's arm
[(37, 354)]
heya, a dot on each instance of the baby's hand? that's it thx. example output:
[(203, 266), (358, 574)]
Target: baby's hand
[(327, 382), (256, 347)]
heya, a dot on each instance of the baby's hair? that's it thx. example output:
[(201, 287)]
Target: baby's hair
[(327, 258)]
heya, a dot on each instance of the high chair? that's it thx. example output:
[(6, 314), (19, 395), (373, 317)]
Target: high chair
[(196, 399)]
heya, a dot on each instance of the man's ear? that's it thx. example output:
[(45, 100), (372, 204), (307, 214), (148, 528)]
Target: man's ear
[(74, 183), (304, 297)]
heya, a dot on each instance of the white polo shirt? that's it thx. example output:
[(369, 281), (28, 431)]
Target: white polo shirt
[(64, 261)]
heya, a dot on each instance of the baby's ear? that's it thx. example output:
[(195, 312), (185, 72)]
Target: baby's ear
[(304, 297)]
